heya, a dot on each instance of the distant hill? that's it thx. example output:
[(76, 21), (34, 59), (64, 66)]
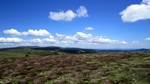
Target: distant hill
[(74, 50)]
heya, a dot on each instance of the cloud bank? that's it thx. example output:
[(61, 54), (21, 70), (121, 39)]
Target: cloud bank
[(30, 32), (136, 12), (68, 15), (10, 40), (43, 37)]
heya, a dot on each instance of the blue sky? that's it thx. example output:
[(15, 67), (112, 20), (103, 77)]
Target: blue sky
[(101, 24)]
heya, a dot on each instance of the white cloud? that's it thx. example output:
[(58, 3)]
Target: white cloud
[(43, 40), (82, 12), (69, 15), (101, 40), (12, 32), (107, 41), (65, 39), (61, 36), (86, 39), (66, 16), (30, 32), (136, 12), (82, 36), (10, 40), (51, 37), (137, 43), (148, 39), (40, 32), (76, 40), (69, 38), (118, 42), (49, 40), (89, 28), (36, 40)]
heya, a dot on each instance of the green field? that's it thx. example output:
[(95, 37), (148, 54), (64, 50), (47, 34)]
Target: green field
[(50, 67)]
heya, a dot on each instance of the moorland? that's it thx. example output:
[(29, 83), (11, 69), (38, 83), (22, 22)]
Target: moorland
[(24, 65)]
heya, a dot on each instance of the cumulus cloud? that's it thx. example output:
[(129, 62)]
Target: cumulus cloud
[(89, 28), (60, 36), (79, 38), (44, 40), (107, 41), (40, 32), (36, 40), (10, 40), (30, 32), (68, 15), (136, 12), (84, 38), (148, 39), (49, 40), (65, 39), (82, 12), (12, 32)]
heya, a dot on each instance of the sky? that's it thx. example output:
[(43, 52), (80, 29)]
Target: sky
[(97, 24)]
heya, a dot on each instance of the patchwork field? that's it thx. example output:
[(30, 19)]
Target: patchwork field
[(98, 68)]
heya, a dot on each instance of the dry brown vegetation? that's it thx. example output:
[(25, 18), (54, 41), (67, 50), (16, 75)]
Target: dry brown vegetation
[(104, 68)]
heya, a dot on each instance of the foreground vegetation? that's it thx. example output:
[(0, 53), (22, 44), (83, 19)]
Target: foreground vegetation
[(43, 67)]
